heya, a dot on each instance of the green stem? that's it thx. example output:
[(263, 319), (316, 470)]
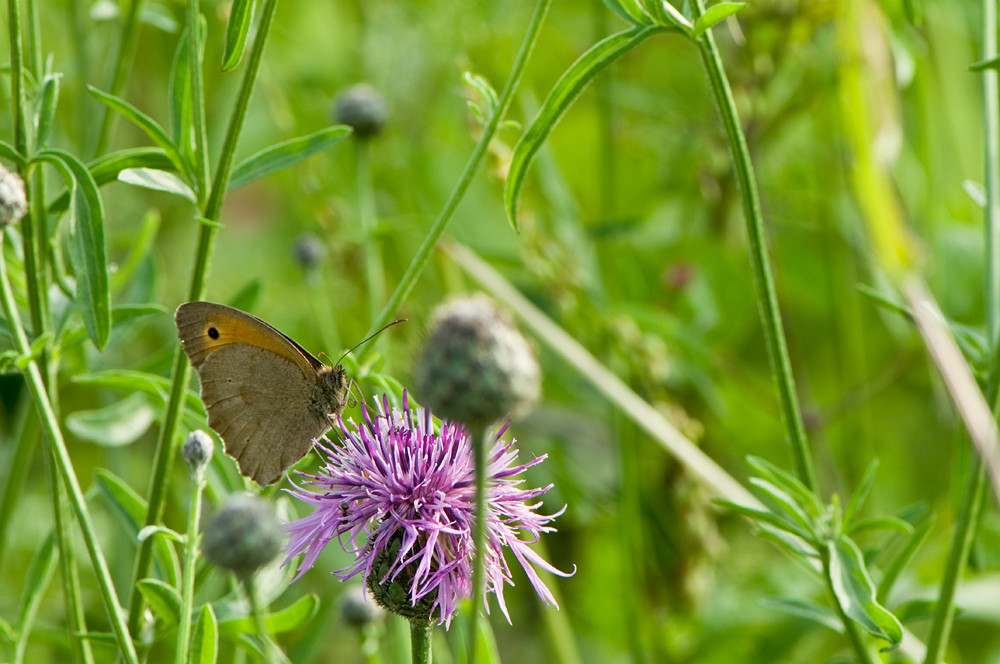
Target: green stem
[(26, 434), (36, 387), (767, 298), (420, 641), (17, 77), (76, 622), (166, 446), (271, 651), (961, 544), (482, 445), (421, 258), (123, 58), (190, 559), (976, 487)]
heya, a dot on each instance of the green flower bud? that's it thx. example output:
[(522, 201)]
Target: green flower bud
[(197, 450), (244, 536), (476, 367), (363, 108)]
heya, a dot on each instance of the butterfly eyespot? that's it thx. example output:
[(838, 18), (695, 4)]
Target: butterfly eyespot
[(214, 333)]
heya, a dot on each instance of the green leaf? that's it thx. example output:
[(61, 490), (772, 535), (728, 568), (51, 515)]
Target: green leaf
[(805, 609), (151, 384), (164, 599), (86, 245), (10, 153), (179, 94), (881, 523), (140, 249), (715, 15), (120, 423), (48, 98), (788, 483), (629, 11), (36, 581), (157, 181), (784, 506), (240, 19), (854, 591), (106, 169), (918, 609), (205, 638), (860, 494), (285, 154), (983, 65), (123, 499), (762, 516), (147, 125), (562, 96), (120, 314), (286, 620), (898, 563)]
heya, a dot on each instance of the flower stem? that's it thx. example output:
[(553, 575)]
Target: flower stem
[(271, 651), (767, 298), (481, 444), (36, 388), (421, 258), (166, 446), (975, 490), (190, 558), (420, 641)]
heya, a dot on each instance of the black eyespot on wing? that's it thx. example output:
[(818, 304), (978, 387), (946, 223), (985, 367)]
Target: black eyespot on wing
[(214, 333)]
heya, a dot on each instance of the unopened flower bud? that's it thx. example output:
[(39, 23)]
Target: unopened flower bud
[(476, 367), (13, 202), (197, 450), (243, 536), (363, 108), (357, 608), (395, 593), (308, 251)]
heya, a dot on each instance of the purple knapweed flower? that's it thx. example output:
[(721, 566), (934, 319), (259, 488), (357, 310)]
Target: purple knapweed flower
[(402, 499)]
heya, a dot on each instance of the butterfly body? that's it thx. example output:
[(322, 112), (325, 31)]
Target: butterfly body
[(266, 396)]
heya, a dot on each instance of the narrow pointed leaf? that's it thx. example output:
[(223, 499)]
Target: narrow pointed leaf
[(903, 556), (86, 245), (119, 423), (158, 181), (629, 11), (880, 523), (784, 506), (10, 153), (164, 599), (205, 638), (285, 154), (240, 19), (562, 96), (147, 125), (788, 483), (289, 618), (805, 609), (860, 494), (48, 97), (854, 591), (715, 15), (179, 97)]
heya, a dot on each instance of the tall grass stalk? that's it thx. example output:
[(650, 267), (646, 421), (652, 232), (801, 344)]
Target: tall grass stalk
[(166, 444), (421, 258), (50, 425), (976, 485), (767, 299)]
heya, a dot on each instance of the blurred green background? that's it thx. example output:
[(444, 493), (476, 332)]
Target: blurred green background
[(632, 239)]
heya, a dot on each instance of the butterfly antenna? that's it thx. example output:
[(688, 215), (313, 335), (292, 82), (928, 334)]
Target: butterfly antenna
[(370, 337)]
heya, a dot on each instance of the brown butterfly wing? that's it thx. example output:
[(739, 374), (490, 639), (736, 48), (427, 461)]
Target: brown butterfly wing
[(266, 396), (263, 413)]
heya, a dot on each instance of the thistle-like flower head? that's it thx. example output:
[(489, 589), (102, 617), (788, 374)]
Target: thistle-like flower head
[(401, 497)]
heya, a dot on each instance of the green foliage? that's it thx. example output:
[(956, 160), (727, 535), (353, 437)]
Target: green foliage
[(195, 165)]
